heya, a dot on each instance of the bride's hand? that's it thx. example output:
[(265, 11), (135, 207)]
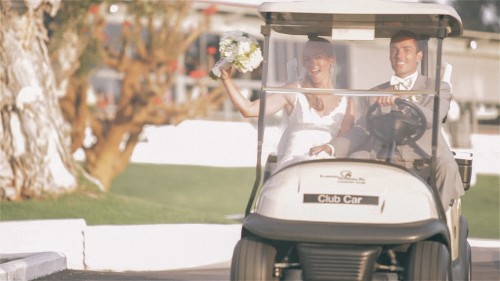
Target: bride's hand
[(225, 73), (321, 148)]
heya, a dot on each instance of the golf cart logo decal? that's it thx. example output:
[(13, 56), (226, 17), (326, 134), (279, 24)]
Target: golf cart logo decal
[(346, 174), (345, 177), (341, 199)]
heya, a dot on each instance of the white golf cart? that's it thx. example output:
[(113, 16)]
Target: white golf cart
[(328, 217)]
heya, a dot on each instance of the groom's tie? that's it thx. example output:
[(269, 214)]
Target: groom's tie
[(401, 83)]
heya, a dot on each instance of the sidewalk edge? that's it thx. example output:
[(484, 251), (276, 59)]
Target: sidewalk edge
[(31, 266)]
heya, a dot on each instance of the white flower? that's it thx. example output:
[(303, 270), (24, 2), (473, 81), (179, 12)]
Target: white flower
[(239, 49)]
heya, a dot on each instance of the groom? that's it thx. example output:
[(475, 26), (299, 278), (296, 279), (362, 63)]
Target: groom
[(405, 55)]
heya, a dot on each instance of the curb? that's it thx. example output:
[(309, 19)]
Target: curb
[(30, 266), (158, 247), (65, 236), (34, 249), (119, 248)]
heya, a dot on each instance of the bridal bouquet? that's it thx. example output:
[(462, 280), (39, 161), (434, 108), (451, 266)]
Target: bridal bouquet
[(239, 49)]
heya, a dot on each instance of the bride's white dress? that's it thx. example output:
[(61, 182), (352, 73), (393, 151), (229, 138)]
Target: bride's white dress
[(306, 128)]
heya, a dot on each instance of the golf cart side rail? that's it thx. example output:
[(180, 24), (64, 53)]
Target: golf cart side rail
[(346, 233)]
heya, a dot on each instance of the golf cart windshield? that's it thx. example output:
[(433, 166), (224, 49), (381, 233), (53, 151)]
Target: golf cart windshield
[(332, 63)]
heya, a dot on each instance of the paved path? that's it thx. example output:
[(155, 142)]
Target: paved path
[(485, 267)]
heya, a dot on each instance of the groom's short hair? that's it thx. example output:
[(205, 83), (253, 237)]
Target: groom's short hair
[(405, 34)]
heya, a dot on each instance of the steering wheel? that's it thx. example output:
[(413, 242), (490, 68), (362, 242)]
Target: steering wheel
[(404, 125)]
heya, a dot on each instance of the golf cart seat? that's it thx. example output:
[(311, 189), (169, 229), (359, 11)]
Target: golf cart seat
[(463, 159)]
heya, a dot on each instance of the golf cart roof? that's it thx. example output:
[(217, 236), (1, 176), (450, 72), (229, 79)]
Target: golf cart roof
[(383, 17)]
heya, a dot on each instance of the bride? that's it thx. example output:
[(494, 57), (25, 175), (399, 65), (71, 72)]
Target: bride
[(313, 119)]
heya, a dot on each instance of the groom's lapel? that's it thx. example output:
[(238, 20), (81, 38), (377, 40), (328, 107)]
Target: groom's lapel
[(420, 83)]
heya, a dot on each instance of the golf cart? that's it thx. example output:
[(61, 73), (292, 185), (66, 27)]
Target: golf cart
[(324, 217)]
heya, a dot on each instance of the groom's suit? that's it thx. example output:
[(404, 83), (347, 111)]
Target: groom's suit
[(448, 179)]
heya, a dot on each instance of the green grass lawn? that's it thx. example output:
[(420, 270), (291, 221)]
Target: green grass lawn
[(481, 207), (151, 194)]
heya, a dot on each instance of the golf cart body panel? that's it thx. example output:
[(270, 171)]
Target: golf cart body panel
[(309, 213), (345, 233), (356, 189)]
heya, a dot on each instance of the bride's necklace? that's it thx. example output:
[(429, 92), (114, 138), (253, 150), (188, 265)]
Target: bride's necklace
[(317, 103)]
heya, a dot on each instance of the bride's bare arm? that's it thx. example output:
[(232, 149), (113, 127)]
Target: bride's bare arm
[(347, 123), (247, 108), (348, 120)]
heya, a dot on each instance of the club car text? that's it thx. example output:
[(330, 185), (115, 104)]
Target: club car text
[(340, 199)]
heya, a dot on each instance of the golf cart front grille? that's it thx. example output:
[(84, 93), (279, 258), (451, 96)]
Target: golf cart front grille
[(337, 262)]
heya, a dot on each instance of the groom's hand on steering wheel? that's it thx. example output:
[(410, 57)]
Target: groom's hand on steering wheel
[(385, 100)]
